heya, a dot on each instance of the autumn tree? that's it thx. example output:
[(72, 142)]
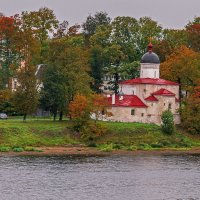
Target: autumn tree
[(183, 67), (171, 40), (82, 108), (193, 33), (99, 106), (191, 111), (79, 110), (8, 52), (25, 97)]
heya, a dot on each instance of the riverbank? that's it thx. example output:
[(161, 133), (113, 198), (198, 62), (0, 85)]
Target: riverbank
[(45, 137), (89, 151)]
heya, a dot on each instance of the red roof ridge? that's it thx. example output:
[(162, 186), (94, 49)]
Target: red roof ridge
[(153, 81), (163, 92), (151, 98), (127, 101)]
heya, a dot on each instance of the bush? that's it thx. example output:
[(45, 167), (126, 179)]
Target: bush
[(144, 146), (92, 144), (132, 148), (4, 149), (29, 149), (106, 147), (18, 149), (167, 122), (90, 131), (156, 145)]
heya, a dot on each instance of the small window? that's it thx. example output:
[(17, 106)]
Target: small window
[(133, 92), (15, 85), (132, 112), (170, 106), (145, 90), (142, 115)]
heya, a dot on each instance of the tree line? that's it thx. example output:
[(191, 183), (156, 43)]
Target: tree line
[(77, 57)]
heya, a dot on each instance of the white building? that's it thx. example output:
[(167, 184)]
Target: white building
[(144, 99)]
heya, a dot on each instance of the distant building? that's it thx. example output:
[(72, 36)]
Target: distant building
[(144, 99)]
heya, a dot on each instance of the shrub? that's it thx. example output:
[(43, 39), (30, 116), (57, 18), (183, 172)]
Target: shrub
[(18, 149), (92, 144), (106, 147), (29, 149), (167, 122), (132, 148), (144, 146), (157, 145), (4, 149)]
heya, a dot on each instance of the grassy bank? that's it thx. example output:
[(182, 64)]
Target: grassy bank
[(15, 134)]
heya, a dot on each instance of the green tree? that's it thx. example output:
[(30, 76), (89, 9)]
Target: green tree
[(53, 93), (42, 23), (167, 122), (92, 22), (70, 63)]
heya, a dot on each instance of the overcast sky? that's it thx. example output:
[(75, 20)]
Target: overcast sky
[(168, 13)]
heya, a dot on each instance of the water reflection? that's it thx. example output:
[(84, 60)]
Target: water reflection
[(97, 178)]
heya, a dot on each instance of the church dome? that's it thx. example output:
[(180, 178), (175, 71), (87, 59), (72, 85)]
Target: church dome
[(150, 56)]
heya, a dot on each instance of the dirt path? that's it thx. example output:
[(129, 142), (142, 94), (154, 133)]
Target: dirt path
[(88, 151)]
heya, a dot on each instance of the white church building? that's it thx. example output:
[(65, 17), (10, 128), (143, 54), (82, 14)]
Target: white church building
[(144, 99)]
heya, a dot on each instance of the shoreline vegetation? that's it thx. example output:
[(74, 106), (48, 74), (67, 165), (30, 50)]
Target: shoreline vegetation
[(44, 137)]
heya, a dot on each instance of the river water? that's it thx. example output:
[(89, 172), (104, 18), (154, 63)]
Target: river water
[(100, 178)]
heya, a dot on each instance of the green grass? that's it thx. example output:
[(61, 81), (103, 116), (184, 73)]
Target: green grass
[(34, 133), (132, 136), (17, 135)]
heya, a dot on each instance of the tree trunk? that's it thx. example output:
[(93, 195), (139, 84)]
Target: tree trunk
[(54, 115), (24, 118), (116, 85), (61, 116)]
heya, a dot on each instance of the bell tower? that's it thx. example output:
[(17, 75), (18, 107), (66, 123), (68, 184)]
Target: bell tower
[(150, 64)]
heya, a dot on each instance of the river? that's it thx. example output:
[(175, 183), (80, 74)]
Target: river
[(100, 178)]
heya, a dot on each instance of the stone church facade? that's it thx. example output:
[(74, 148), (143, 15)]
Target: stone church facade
[(144, 99)]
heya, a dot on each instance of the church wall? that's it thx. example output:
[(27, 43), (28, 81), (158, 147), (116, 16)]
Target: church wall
[(123, 114), (145, 90)]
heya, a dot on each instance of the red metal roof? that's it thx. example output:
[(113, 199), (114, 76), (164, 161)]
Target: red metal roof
[(163, 92), (153, 81), (128, 101), (151, 98)]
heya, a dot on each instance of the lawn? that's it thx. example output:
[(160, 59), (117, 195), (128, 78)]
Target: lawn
[(34, 133), (131, 136)]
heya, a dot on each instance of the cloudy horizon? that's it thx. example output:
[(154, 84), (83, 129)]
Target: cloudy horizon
[(169, 14)]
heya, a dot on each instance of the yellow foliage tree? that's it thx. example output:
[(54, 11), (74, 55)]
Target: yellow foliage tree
[(182, 66)]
